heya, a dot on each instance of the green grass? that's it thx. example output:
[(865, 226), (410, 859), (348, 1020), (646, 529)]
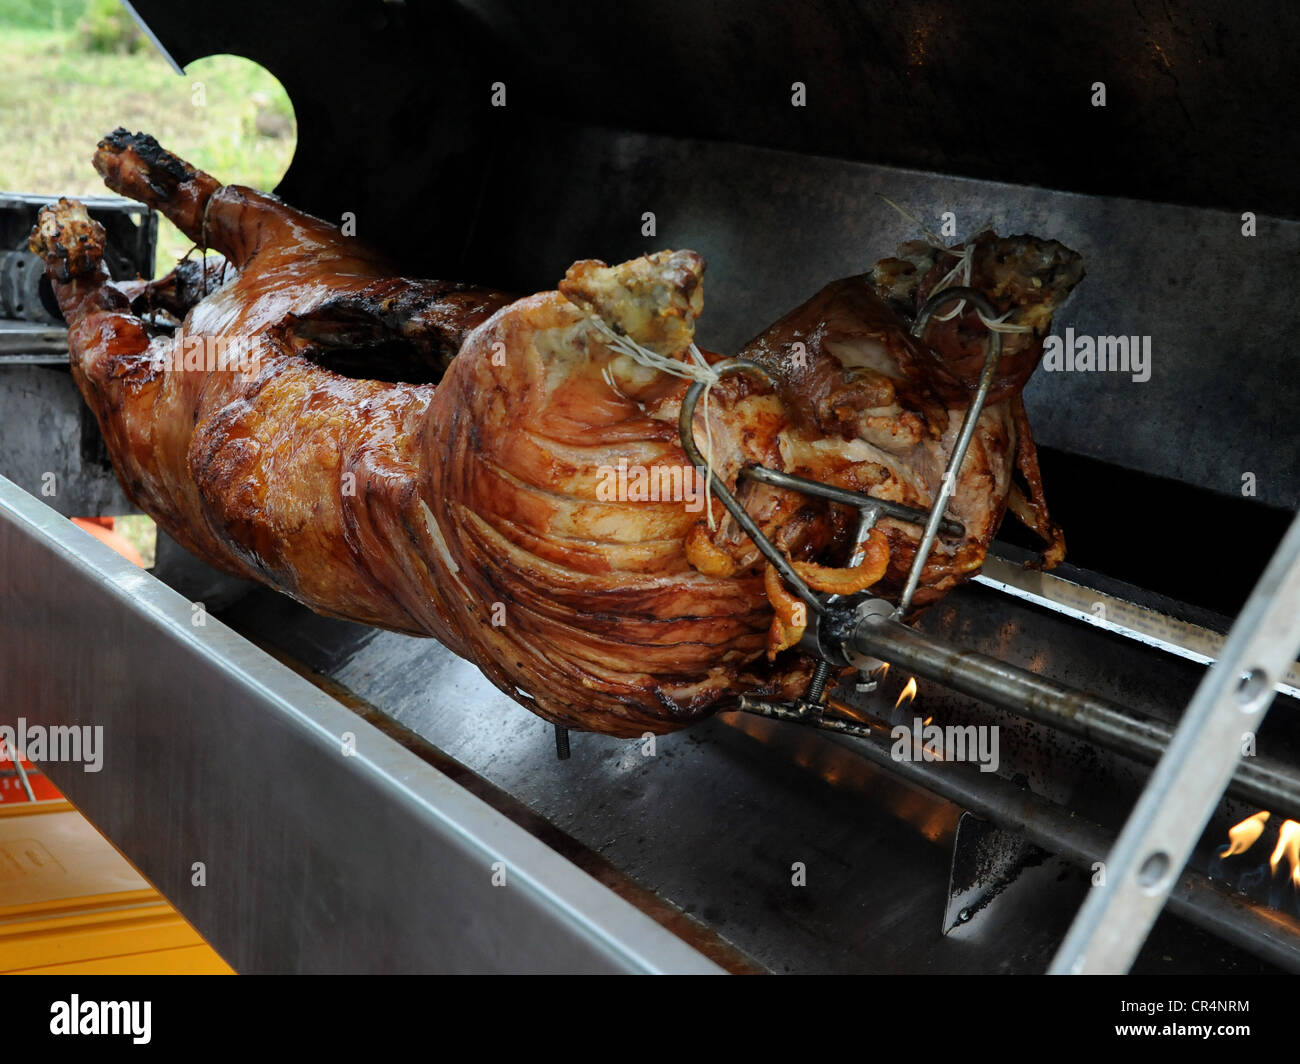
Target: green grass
[(142, 533), (41, 14), (57, 100)]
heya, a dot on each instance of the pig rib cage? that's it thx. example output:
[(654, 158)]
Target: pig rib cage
[(1196, 764)]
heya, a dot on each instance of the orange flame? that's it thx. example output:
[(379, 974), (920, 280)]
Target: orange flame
[(1244, 835), (879, 674), (909, 692), (1288, 845)]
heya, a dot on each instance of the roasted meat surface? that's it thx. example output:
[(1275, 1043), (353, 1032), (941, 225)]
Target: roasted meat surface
[(505, 474)]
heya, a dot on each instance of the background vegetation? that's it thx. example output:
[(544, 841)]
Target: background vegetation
[(72, 70)]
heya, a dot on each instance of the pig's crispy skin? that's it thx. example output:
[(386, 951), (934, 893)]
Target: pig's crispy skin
[(249, 470), (474, 511)]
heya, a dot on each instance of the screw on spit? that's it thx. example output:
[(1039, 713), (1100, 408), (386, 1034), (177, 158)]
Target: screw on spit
[(964, 916), (811, 703)]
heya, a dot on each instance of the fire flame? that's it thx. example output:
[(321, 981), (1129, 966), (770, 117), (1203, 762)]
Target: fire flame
[(1244, 835), (909, 692), (1288, 844)]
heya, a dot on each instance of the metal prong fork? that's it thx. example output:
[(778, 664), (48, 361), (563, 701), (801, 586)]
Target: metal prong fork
[(949, 482)]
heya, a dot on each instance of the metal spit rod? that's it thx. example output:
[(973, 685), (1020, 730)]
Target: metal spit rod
[(780, 479), (1268, 784)]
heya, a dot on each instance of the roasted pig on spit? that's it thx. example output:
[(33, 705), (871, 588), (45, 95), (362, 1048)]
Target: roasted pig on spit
[(510, 509)]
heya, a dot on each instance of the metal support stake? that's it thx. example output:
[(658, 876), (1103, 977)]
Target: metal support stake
[(1186, 786), (949, 482)]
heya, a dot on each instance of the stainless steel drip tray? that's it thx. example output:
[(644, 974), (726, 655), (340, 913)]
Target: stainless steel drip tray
[(716, 819)]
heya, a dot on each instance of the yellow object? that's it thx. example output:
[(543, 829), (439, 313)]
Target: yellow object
[(71, 904)]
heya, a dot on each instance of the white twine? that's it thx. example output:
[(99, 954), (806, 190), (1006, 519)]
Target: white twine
[(697, 369), (963, 267)]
